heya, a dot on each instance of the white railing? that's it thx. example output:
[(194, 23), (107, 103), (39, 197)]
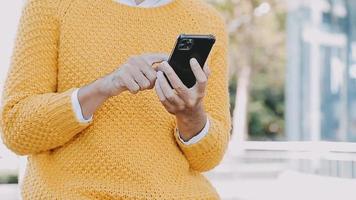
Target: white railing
[(320, 146), (325, 158)]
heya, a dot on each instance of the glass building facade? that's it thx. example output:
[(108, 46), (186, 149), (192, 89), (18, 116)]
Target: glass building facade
[(321, 72)]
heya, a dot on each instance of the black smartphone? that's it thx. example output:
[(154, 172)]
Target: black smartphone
[(187, 47)]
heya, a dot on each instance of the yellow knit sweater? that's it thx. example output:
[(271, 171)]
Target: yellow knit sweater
[(130, 150)]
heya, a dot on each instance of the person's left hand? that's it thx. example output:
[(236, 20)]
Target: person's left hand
[(185, 103)]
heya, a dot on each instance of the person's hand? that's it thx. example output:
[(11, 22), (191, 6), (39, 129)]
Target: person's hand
[(135, 75), (185, 103)]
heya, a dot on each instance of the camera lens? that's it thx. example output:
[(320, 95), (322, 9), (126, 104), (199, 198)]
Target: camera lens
[(181, 45), (185, 44)]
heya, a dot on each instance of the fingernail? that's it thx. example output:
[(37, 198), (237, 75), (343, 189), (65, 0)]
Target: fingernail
[(193, 61)]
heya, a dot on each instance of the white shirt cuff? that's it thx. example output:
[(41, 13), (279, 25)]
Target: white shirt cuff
[(197, 137), (78, 109)]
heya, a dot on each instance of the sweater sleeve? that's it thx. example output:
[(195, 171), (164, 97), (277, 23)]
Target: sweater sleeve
[(34, 116), (208, 152)]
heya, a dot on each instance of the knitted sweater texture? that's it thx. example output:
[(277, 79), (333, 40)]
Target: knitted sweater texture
[(130, 150)]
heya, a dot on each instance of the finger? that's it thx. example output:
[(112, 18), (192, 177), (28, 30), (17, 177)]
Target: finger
[(131, 85), (173, 78), (159, 92), (168, 91), (199, 75), (153, 60), (137, 75), (207, 71), (142, 80), (150, 73), (150, 59), (162, 98), (147, 71)]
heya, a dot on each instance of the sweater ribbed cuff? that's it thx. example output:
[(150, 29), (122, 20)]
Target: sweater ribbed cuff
[(206, 144), (62, 116)]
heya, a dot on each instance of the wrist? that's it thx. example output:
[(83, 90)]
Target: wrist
[(106, 87), (90, 98), (191, 123), (99, 89)]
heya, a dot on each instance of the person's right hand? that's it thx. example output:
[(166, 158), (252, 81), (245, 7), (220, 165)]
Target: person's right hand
[(134, 75)]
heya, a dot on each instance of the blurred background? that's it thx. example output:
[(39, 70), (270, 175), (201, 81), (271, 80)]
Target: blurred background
[(293, 100)]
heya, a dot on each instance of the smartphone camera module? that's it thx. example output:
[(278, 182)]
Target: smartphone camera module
[(185, 44)]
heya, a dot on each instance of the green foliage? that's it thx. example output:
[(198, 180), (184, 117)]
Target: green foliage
[(9, 178), (266, 112), (232, 91), (258, 42)]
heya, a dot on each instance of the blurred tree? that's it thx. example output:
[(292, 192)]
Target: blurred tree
[(8, 178), (257, 61)]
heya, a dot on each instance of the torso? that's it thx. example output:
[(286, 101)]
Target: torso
[(130, 148)]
